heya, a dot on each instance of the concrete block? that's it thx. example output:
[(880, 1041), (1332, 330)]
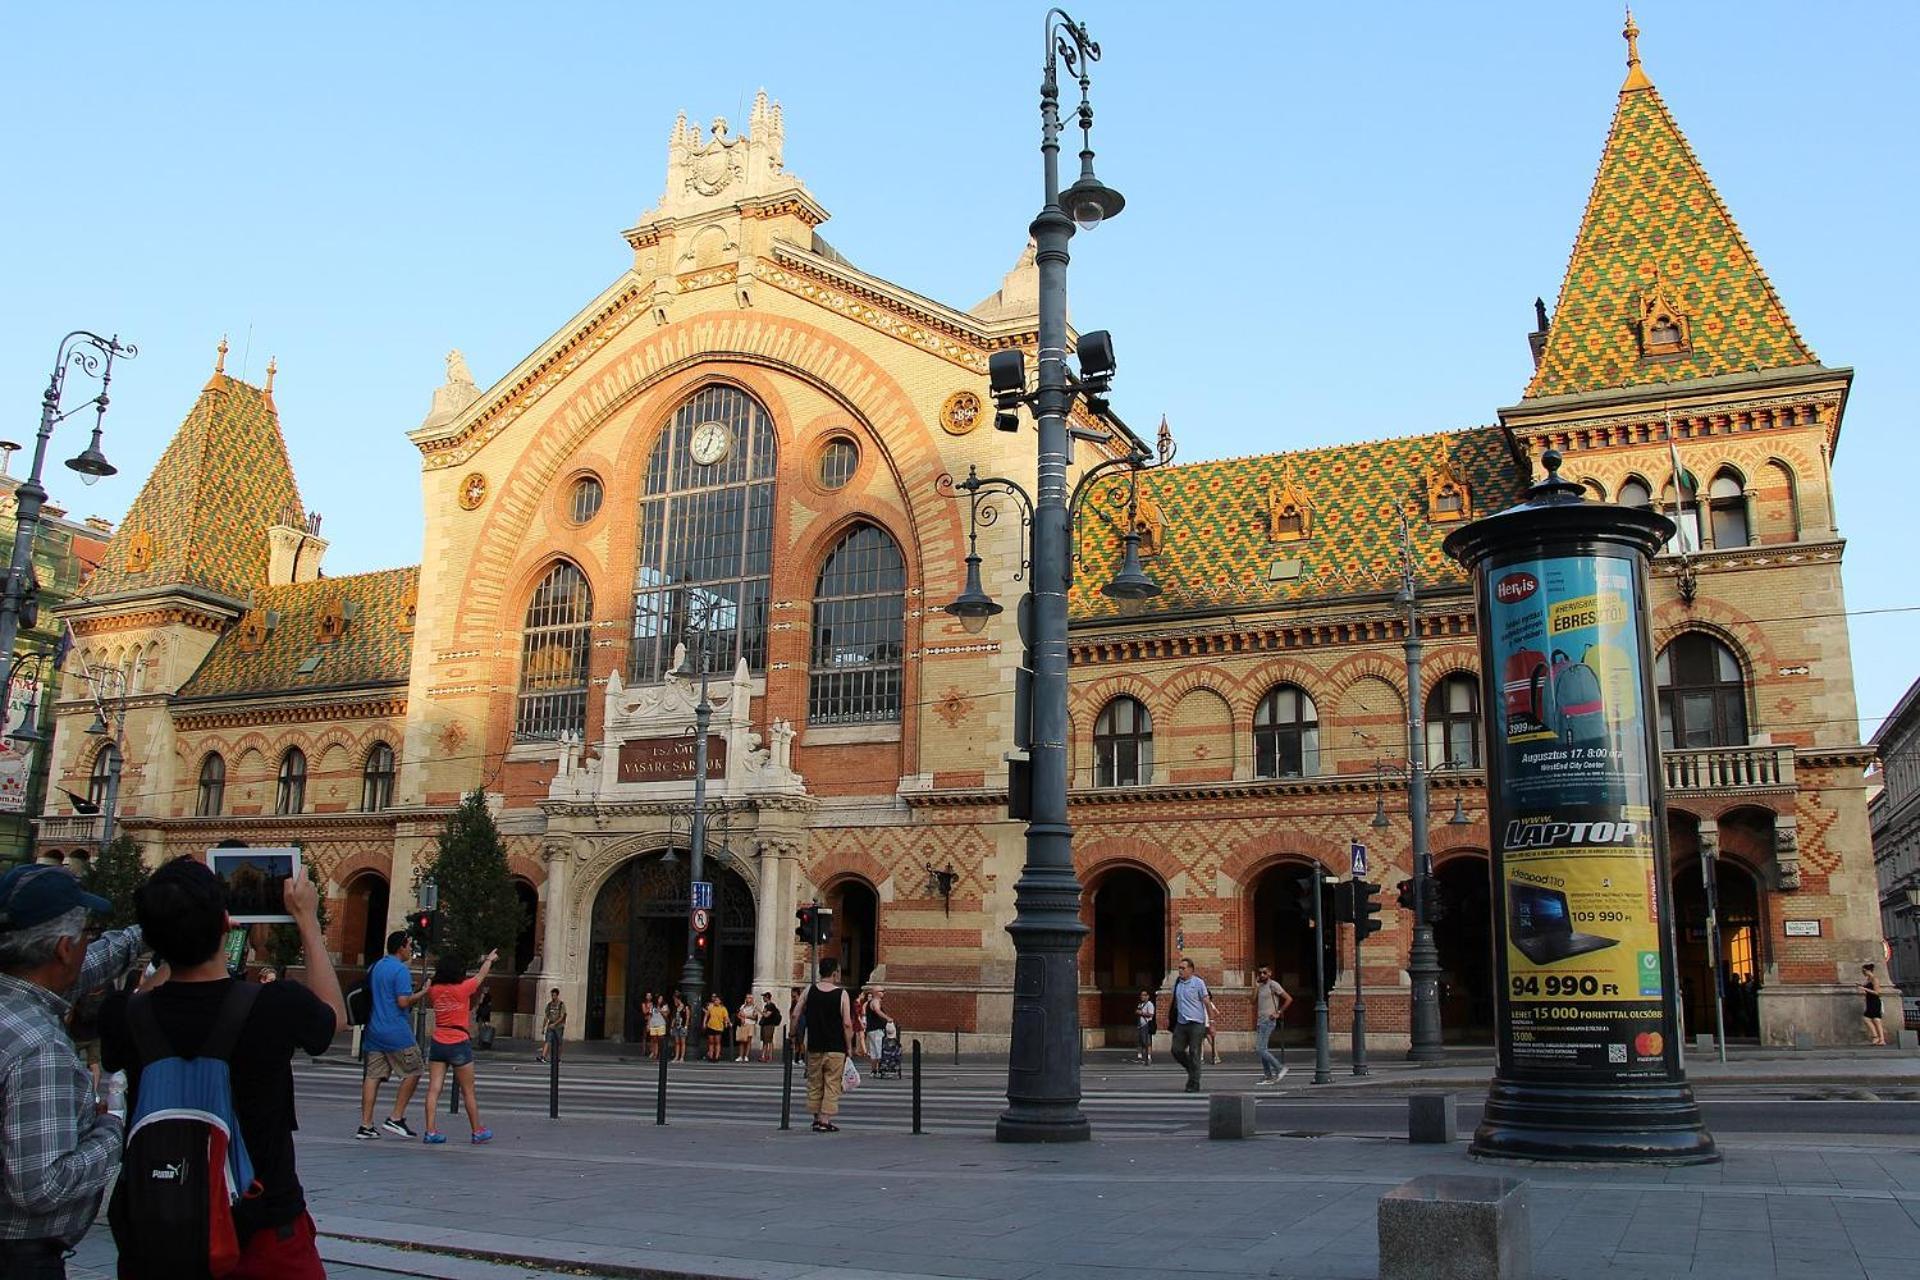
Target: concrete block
[(1448, 1226), (1703, 1042), (1432, 1117), (1230, 1115), (1803, 1040), (1910, 1039)]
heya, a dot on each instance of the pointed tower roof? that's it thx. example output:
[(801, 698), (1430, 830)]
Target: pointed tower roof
[(202, 518), (1661, 287)]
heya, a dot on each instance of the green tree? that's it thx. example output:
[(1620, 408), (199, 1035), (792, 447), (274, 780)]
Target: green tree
[(479, 910), (115, 873), (283, 940)]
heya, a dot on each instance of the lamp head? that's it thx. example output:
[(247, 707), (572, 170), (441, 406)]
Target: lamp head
[(28, 736), (1459, 818), (99, 726), (1089, 201), (1132, 582), (1379, 822), (973, 606), (90, 462)]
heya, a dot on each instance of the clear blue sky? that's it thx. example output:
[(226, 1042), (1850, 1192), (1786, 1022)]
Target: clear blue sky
[(1338, 215)]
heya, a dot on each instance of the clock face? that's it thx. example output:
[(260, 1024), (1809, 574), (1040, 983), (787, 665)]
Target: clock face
[(710, 443)]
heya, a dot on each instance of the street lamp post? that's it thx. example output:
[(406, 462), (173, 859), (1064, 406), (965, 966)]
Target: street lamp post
[(693, 972), (1423, 959), (93, 355), (110, 804)]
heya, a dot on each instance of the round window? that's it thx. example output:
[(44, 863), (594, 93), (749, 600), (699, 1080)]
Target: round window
[(838, 461), (587, 494)]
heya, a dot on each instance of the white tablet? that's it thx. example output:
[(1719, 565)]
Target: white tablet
[(255, 880)]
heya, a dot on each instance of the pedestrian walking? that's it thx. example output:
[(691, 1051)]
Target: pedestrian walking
[(830, 1033), (746, 1020), (58, 1149), (714, 1020), (876, 1022), (1144, 1015), (769, 1025), (1189, 1013), (1270, 1005), (553, 1026), (452, 1045), (389, 1042), (682, 1019), (1870, 987), (182, 910)]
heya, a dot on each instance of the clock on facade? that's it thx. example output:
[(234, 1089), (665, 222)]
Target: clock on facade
[(710, 443)]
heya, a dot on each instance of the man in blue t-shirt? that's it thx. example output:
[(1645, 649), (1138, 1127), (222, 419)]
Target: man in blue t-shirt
[(1192, 1012), (391, 1048)]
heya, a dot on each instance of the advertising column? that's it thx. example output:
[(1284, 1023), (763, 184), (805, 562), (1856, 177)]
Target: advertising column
[(1588, 1048)]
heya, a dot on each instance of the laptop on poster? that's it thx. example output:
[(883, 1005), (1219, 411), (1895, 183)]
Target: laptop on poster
[(1542, 927)]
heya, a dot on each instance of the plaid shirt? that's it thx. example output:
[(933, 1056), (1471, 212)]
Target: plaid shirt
[(56, 1150)]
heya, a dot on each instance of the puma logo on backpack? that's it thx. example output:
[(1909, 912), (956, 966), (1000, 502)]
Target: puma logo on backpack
[(186, 1164)]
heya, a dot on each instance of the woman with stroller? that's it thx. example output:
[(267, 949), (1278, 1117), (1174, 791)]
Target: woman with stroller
[(875, 1022), (452, 1045)]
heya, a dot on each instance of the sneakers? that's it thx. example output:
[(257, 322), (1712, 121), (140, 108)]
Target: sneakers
[(482, 1136), (366, 1133), (398, 1128), (434, 1138)]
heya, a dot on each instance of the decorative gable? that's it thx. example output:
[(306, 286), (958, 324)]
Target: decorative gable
[(1664, 329), (1289, 512), (1149, 521), (1449, 497), (140, 552)]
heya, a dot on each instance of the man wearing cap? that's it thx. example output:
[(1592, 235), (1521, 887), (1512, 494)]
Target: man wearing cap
[(57, 1148)]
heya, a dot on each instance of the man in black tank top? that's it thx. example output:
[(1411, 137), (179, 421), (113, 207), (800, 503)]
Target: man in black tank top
[(829, 1023)]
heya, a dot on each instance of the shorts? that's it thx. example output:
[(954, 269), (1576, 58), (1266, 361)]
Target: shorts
[(384, 1064), (88, 1051), (680, 1034), (743, 1034), (457, 1054), (767, 1034)]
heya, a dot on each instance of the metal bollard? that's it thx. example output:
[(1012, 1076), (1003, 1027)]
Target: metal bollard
[(660, 1098), (916, 1086), (786, 1086), (553, 1079), (956, 1046)]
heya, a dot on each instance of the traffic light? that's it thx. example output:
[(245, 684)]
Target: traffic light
[(1303, 891), (1343, 901), (424, 928), (1434, 908), (805, 916), (1366, 909), (816, 923), (1405, 895)]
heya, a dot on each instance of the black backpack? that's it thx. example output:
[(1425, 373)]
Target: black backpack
[(186, 1163)]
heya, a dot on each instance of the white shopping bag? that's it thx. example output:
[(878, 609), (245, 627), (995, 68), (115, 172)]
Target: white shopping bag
[(850, 1078)]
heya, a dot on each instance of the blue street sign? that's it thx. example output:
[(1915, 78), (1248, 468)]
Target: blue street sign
[(1357, 852), (703, 895)]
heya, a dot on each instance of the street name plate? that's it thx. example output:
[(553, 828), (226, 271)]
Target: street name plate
[(1803, 928)]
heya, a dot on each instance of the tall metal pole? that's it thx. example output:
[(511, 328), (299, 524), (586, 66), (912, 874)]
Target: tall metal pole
[(1322, 1051), (1423, 958), (1710, 878), (692, 977), (1043, 1061)]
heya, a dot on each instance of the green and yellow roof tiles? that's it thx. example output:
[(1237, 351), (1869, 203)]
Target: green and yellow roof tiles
[(360, 628), (1217, 547), (201, 519), (1654, 224)]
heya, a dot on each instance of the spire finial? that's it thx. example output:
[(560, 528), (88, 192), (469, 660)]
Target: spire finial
[(220, 358), (272, 365), (1636, 76)]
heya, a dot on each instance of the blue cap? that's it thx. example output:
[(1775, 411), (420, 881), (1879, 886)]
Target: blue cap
[(32, 895)]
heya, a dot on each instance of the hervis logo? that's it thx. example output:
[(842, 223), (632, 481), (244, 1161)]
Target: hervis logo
[(1515, 587)]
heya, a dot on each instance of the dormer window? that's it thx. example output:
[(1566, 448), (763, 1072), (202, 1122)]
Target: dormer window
[(1289, 513), (1664, 329)]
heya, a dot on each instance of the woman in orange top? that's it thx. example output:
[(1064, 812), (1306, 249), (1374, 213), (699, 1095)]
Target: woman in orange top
[(453, 1043)]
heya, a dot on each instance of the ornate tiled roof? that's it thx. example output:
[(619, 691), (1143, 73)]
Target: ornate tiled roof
[(360, 628), (1290, 528), (1656, 236), (202, 518)]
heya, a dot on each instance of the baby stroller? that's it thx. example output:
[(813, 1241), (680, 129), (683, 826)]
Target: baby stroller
[(889, 1064)]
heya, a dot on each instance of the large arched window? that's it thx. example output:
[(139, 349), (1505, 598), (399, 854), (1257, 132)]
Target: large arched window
[(1635, 493), (376, 780), (290, 796), (1727, 510), (1123, 744), (554, 646), (1286, 735), (105, 762), (213, 786), (1453, 722), (706, 536), (1703, 696), (859, 631)]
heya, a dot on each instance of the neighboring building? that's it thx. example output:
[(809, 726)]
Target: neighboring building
[(1894, 813), (745, 440), (65, 552)]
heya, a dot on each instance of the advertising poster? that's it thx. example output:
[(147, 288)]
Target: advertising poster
[(16, 765), (1574, 821)]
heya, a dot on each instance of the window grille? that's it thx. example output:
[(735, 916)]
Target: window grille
[(859, 631)]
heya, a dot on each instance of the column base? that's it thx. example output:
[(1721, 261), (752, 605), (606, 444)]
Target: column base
[(1625, 1123), (1042, 1124)]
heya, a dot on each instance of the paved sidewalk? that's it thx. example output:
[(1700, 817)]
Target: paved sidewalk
[(631, 1199)]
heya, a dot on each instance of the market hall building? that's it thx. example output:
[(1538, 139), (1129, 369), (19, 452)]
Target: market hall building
[(731, 459)]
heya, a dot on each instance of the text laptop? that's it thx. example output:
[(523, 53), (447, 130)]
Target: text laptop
[(1542, 927)]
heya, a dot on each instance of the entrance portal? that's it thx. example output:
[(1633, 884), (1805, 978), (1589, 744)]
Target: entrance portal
[(639, 941), (1463, 935), (856, 930), (363, 937), (1283, 940), (1739, 948), (1129, 945)]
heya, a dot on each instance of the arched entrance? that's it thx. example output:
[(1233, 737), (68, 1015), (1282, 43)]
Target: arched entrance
[(1129, 945), (1740, 941), (363, 923), (528, 940), (639, 940), (856, 931), (1463, 935), (1283, 939)]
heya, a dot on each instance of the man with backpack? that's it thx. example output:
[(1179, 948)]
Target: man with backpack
[(1189, 1014), (209, 1185), (57, 1151)]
